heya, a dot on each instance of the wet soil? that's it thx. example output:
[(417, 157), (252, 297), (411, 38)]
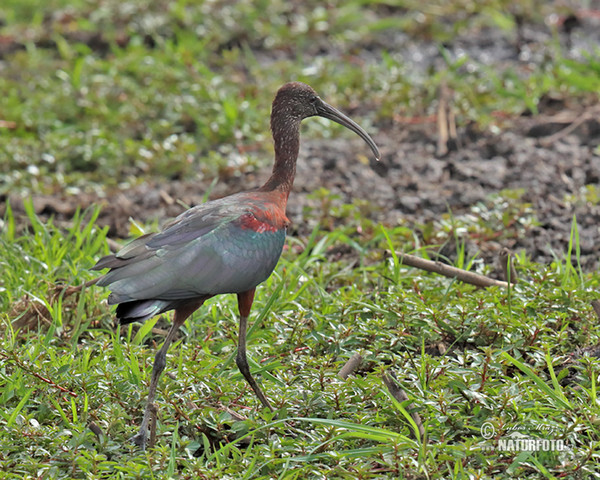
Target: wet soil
[(411, 185), (552, 156)]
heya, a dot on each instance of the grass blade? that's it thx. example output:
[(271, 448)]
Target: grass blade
[(554, 394)]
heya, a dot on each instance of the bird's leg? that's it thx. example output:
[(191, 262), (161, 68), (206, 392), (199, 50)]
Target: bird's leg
[(245, 300), (160, 360)]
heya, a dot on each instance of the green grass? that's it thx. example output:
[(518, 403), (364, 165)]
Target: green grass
[(181, 90), (502, 364)]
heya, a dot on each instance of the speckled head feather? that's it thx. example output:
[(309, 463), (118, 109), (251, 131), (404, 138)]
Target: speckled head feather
[(294, 102)]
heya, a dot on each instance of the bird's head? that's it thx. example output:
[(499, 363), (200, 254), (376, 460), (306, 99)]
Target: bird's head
[(296, 101)]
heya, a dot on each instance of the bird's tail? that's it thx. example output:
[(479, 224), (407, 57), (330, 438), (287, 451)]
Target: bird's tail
[(140, 310)]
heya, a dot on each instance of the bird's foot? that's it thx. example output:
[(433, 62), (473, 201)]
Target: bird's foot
[(140, 439)]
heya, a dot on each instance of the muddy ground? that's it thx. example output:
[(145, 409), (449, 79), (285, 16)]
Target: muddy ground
[(553, 156)]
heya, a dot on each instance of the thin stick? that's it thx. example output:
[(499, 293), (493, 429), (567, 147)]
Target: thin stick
[(451, 272), (401, 396), (508, 267), (95, 429), (596, 306), (236, 416), (575, 123), (442, 121), (70, 290), (350, 366)]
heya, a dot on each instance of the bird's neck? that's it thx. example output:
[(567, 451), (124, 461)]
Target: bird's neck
[(286, 135)]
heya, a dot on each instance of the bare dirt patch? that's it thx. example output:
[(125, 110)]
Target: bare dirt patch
[(411, 185), (553, 157)]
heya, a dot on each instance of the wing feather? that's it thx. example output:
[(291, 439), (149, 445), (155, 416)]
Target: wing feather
[(203, 252)]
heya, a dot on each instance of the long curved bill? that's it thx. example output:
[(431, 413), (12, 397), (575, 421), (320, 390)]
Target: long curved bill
[(327, 111)]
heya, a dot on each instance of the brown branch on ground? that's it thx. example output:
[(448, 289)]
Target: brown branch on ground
[(400, 396), (234, 415), (442, 123), (350, 366), (446, 122), (451, 272), (507, 265), (573, 121), (95, 429), (113, 245), (8, 124), (70, 290), (596, 306)]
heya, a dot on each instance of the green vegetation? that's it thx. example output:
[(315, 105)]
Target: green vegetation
[(104, 93), (179, 88), (466, 357)]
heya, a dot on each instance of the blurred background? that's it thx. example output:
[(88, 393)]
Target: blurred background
[(481, 108)]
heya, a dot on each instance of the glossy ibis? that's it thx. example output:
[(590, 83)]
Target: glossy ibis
[(229, 245)]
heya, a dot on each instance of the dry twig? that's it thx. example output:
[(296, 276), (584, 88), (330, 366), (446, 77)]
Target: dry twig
[(400, 396), (507, 265), (446, 122), (596, 307), (451, 272), (573, 121), (95, 429), (350, 366), (70, 290)]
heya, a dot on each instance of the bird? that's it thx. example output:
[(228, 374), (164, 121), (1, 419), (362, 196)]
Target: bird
[(228, 245)]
